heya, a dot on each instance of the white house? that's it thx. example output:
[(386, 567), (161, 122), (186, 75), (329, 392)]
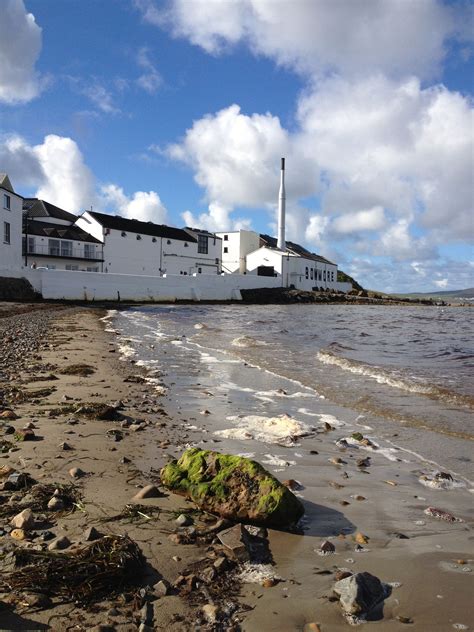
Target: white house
[(10, 227), (144, 248), (236, 245), (52, 240)]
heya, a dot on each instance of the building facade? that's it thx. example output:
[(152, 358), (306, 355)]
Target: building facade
[(236, 245), (10, 226)]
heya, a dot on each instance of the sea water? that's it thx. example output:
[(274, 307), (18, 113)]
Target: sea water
[(268, 378)]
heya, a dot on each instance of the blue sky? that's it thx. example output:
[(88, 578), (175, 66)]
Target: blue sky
[(178, 112)]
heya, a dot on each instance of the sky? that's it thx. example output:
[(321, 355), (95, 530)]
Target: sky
[(178, 112)]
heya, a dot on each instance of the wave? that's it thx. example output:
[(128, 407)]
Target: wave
[(384, 376), (247, 341)]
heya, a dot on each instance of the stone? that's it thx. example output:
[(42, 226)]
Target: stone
[(65, 446), (363, 462), (124, 460), (76, 472), (292, 484), (359, 593), (235, 539), (221, 564), (9, 430), (24, 520), (25, 434), (327, 547), (18, 534), (149, 491), (183, 520), (269, 582), (161, 588), (341, 575), (59, 544), (357, 436), (336, 460), (8, 414), (440, 514), (232, 487), (311, 627), (210, 612), (55, 504), (360, 538), (36, 600), (146, 613), (91, 534), (143, 627)]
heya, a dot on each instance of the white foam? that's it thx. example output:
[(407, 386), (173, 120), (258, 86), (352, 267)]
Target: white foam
[(282, 429), (277, 460), (331, 420), (441, 483), (257, 573), (389, 453), (247, 341)]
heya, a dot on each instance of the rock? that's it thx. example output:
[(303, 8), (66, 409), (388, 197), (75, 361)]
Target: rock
[(336, 460), (18, 534), (440, 514), (146, 613), (149, 491), (161, 588), (221, 564), (25, 434), (357, 436), (311, 627), (358, 497), (236, 539), (65, 446), (232, 487), (59, 543), (36, 600), (360, 538), (8, 414), (24, 520), (363, 462), (55, 504), (269, 582), (9, 430), (292, 484), (342, 575), (327, 547), (124, 460), (76, 472), (91, 534), (404, 619), (210, 612), (143, 627), (183, 520), (359, 593)]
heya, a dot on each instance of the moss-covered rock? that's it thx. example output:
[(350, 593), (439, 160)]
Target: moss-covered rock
[(232, 487)]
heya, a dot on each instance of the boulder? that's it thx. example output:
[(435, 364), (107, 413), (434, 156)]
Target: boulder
[(232, 487), (359, 593)]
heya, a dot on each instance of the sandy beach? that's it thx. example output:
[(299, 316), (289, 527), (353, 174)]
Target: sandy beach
[(373, 513)]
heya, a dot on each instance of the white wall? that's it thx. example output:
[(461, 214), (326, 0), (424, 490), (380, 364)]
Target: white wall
[(38, 248), (10, 254), (58, 284), (239, 244)]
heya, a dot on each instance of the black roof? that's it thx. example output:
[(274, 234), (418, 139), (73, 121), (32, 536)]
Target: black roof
[(115, 222), (40, 208), (200, 231), (271, 242), (56, 231)]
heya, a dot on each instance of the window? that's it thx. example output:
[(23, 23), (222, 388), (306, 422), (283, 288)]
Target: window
[(89, 251), (66, 249), (53, 247), (139, 237), (169, 242), (199, 270), (6, 232), (154, 240), (324, 275), (123, 233), (203, 247), (226, 237), (6, 202), (92, 269), (311, 273), (68, 267), (226, 250), (306, 272), (31, 245), (185, 244)]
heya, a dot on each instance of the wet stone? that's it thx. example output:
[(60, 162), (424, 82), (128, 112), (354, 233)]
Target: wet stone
[(149, 491)]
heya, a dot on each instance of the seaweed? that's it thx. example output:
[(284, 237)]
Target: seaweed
[(102, 569), (83, 370), (38, 497)]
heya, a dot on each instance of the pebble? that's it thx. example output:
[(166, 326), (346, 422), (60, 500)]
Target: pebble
[(76, 472), (183, 520), (55, 504), (60, 543), (91, 534), (210, 611), (65, 446), (18, 534), (149, 491), (161, 588), (327, 547), (360, 538), (311, 627), (269, 582), (24, 520)]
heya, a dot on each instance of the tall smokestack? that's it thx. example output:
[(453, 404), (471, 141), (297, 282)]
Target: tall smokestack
[(281, 208)]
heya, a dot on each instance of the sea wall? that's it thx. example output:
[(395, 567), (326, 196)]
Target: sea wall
[(96, 286)]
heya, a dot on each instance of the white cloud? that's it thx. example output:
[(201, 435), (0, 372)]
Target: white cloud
[(353, 38), (57, 170), (20, 47), (97, 92), (142, 205), (442, 283), (369, 219), (150, 80)]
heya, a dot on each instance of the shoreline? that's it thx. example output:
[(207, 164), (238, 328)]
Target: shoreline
[(302, 596)]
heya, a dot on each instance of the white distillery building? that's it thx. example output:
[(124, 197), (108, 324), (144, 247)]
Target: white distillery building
[(10, 226), (247, 252), (52, 240), (144, 248)]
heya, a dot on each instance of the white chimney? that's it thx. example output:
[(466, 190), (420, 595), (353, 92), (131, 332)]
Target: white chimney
[(281, 208)]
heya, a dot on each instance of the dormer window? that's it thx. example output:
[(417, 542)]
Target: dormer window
[(124, 234), (139, 237), (6, 202)]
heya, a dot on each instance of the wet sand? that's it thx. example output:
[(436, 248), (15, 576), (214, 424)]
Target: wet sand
[(430, 587)]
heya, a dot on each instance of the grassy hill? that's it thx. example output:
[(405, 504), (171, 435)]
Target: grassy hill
[(442, 295)]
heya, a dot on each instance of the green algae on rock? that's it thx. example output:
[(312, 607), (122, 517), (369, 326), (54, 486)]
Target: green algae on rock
[(232, 487)]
